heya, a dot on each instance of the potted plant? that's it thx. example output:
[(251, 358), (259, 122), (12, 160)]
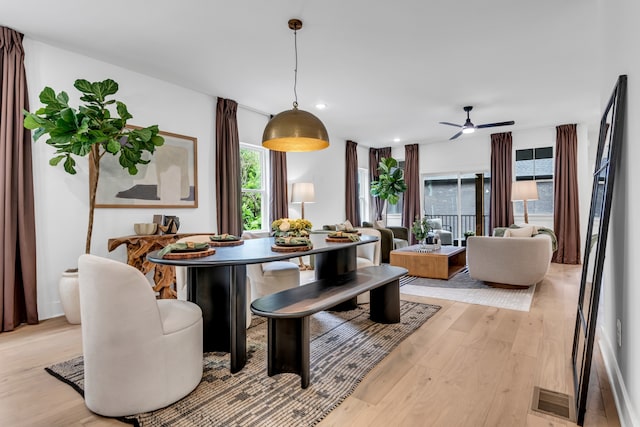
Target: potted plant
[(421, 229), (389, 185), (466, 236), (93, 130)]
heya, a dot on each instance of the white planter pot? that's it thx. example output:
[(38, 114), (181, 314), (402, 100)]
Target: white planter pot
[(70, 296)]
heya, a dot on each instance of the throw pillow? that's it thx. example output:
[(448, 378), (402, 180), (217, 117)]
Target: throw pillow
[(500, 232), (435, 223), (519, 232), (535, 227)]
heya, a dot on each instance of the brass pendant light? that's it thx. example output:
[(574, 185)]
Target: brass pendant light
[(295, 130)]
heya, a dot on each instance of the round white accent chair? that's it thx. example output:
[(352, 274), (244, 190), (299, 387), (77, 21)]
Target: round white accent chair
[(270, 277), (140, 354)]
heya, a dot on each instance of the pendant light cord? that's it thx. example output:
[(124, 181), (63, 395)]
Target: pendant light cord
[(295, 71)]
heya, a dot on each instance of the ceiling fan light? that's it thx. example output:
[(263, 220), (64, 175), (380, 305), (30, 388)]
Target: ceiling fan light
[(468, 130), (295, 130)]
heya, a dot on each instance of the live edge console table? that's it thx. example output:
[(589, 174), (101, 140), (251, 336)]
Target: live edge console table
[(218, 284), (137, 249)]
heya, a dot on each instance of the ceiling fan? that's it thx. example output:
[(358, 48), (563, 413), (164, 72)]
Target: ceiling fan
[(469, 127)]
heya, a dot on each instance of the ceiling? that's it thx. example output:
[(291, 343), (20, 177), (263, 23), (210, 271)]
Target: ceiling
[(385, 69)]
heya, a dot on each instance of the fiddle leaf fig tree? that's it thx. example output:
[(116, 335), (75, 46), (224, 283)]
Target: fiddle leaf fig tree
[(94, 130), (390, 183)]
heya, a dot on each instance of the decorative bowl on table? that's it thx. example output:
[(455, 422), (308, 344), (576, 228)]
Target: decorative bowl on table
[(145, 228)]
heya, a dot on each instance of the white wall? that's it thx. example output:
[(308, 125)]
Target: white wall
[(621, 280), (326, 170), (61, 200)]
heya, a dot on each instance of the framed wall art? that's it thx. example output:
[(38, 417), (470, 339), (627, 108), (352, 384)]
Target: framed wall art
[(169, 180)]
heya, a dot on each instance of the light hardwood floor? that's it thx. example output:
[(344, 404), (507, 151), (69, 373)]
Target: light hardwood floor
[(469, 365)]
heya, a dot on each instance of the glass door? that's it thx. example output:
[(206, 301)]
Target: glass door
[(453, 197)]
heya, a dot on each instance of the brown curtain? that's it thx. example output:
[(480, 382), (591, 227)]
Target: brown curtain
[(411, 205), (18, 300), (566, 212), (352, 190), (501, 209), (228, 186), (375, 154), (279, 206)]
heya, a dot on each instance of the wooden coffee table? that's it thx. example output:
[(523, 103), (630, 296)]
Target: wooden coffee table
[(440, 264)]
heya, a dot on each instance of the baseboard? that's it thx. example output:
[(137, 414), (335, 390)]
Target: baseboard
[(50, 310), (624, 405)]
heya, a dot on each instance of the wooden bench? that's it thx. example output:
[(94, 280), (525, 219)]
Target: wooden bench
[(288, 312)]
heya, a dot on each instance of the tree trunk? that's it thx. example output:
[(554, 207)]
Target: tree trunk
[(94, 175)]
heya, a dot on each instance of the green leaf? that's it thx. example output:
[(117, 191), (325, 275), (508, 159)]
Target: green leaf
[(30, 122), (144, 134), (55, 160), (83, 86), (38, 133), (69, 165), (63, 98), (157, 140), (108, 87), (113, 146), (48, 96), (122, 111), (68, 115), (90, 99), (133, 170)]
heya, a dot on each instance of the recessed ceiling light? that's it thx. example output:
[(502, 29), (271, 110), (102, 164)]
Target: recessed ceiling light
[(396, 139), (321, 106)]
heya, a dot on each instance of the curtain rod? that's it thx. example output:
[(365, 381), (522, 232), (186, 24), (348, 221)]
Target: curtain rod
[(253, 110)]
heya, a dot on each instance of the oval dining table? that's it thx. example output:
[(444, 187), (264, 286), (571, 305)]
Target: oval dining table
[(218, 284)]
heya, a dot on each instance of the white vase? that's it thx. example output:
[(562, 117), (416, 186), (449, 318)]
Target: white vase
[(70, 296)]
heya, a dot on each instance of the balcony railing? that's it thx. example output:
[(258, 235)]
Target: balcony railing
[(467, 222)]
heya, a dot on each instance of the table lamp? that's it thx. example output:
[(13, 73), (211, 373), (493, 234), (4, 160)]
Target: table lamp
[(302, 192), (524, 190)]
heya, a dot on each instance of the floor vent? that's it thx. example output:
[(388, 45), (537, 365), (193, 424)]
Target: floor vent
[(553, 403)]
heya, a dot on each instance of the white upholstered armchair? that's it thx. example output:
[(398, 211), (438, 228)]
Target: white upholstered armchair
[(140, 354), (270, 277)]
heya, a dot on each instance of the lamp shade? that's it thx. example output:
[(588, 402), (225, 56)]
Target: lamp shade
[(295, 130), (524, 190), (302, 192)]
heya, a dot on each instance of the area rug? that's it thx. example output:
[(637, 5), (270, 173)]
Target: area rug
[(345, 346), (463, 288)]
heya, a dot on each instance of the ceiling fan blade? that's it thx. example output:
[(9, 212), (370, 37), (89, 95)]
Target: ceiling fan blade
[(455, 136), (491, 125), (450, 124)]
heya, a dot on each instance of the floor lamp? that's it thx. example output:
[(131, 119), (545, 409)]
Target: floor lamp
[(524, 190), (303, 192)]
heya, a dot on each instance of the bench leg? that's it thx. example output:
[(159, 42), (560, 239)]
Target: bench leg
[(385, 303), (288, 348)]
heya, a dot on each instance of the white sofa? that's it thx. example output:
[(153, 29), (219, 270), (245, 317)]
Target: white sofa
[(512, 261)]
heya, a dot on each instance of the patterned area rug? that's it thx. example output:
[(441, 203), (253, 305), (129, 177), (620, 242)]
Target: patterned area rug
[(463, 288), (345, 346)]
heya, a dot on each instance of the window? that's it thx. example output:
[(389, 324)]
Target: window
[(536, 164), (363, 193), (253, 177)]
